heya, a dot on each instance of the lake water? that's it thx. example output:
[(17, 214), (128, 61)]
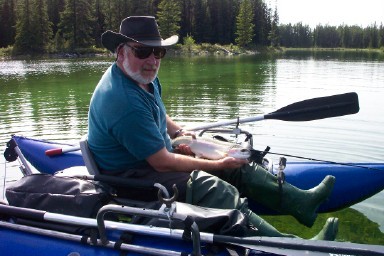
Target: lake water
[(49, 99)]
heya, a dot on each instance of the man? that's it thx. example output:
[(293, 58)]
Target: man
[(130, 136)]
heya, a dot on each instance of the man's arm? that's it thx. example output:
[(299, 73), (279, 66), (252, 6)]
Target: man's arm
[(165, 161), (172, 127)]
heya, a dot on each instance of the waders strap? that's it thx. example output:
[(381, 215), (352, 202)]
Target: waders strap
[(281, 178)]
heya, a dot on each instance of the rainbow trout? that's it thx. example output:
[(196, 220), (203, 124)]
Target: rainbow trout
[(212, 149)]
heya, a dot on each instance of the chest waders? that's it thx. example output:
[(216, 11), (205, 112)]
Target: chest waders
[(206, 190)]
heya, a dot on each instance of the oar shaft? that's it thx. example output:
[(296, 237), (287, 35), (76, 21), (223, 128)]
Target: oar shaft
[(272, 242), (228, 122), (306, 110), (304, 245)]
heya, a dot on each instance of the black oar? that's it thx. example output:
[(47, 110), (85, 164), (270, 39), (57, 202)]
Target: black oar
[(307, 110)]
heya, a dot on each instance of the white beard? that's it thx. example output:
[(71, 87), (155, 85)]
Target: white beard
[(136, 76)]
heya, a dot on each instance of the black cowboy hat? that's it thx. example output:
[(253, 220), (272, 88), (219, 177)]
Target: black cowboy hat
[(140, 29)]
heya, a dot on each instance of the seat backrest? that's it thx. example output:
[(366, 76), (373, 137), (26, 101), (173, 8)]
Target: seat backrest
[(90, 163)]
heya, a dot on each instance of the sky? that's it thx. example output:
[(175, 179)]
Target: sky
[(329, 12)]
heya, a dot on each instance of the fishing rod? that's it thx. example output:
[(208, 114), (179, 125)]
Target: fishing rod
[(258, 153)]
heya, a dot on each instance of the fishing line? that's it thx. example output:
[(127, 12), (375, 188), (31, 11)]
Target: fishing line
[(323, 161)]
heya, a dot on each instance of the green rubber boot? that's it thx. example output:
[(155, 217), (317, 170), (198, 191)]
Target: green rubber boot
[(329, 230), (255, 183), (259, 227)]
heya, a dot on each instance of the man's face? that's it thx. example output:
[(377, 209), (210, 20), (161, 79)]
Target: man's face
[(143, 71)]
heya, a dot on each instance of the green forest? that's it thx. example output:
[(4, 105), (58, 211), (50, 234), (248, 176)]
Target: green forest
[(56, 26)]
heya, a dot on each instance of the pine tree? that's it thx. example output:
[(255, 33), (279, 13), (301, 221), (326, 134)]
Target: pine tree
[(43, 27), (208, 29), (274, 33), (198, 22), (7, 23), (381, 35), (54, 8), (244, 26), (24, 30), (169, 17), (33, 30), (76, 25), (100, 22)]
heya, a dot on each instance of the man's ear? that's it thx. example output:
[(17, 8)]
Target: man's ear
[(118, 50)]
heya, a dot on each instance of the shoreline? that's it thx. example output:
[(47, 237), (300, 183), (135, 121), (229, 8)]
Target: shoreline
[(194, 50)]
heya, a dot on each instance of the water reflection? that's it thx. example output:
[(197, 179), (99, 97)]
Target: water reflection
[(47, 97), (215, 88)]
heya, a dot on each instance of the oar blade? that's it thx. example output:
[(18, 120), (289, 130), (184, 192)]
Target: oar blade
[(318, 108)]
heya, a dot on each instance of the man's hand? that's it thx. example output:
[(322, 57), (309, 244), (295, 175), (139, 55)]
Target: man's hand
[(232, 163), (184, 149), (182, 132)]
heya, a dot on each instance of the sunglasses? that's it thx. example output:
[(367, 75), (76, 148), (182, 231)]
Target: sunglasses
[(145, 52)]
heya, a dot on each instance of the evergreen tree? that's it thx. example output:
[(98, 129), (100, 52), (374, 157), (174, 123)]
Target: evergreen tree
[(33, 30), (217, 20), (230, 11), (54, 8), (152, 9), (197, 29), (357, 37), (76, 25), (7, 23), (100, 22), (261, 22), (169, 17), (43, 27), (286, 31), (366, 37), (374, 43), (143, 7), (121, 9), (346, 36), (24, 28), (327, 36), (186, 23), (274, 33), (244, 26), (381, 36)]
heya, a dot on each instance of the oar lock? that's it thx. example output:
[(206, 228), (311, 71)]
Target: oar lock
[(168, 201)]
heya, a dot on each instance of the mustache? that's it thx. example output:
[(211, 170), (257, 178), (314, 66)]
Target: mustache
[(150, 67)]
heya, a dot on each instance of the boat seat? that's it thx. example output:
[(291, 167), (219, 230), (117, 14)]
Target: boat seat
[(89, 162), (121, 184)]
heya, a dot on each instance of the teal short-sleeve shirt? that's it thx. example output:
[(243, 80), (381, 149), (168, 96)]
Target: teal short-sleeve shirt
[(126, 124)]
